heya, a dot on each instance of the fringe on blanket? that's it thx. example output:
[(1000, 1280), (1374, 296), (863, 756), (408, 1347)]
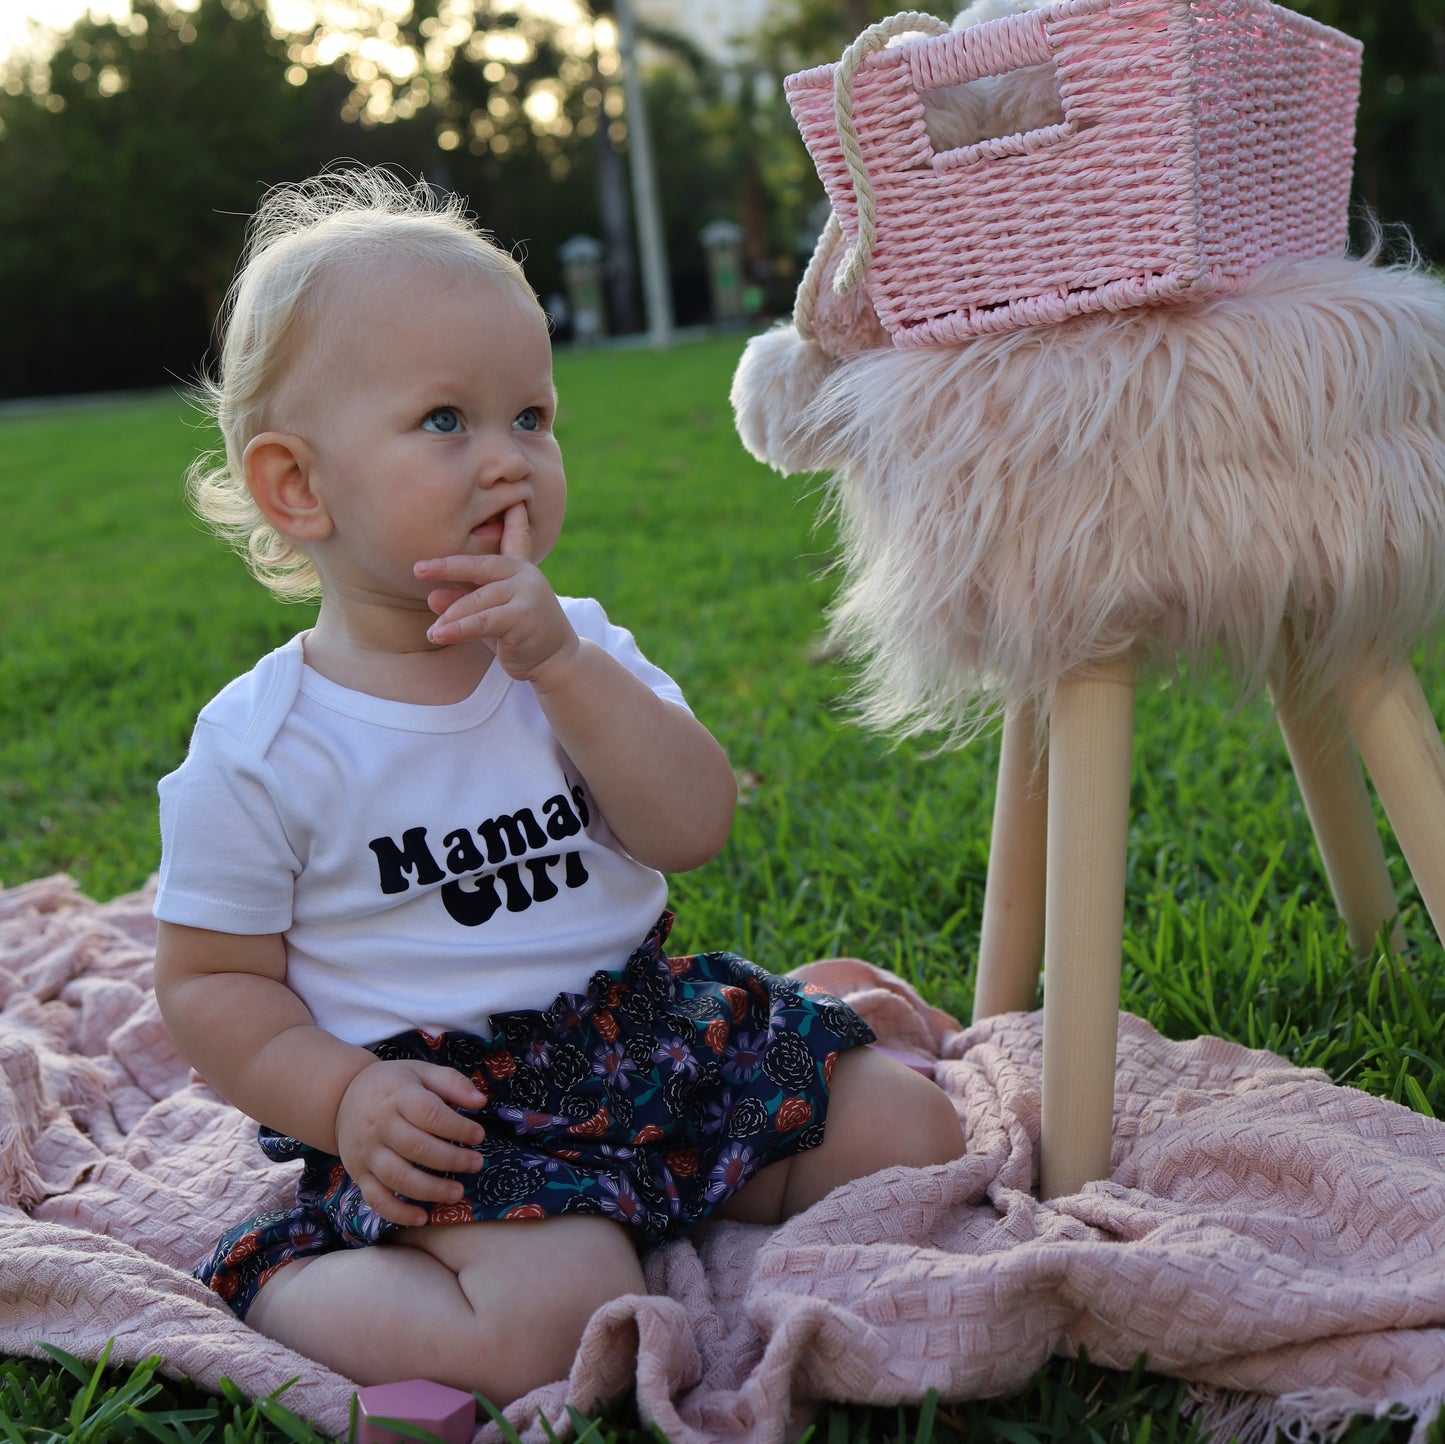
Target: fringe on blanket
[(1303, 1418)]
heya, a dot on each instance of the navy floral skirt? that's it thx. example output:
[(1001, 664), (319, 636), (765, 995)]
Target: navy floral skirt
[(650, 1099)]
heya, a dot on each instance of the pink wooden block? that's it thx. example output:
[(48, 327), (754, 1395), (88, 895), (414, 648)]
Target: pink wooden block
[(909, 1057), (448, 1413)]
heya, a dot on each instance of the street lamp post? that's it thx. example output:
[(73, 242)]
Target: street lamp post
[(656, 287)]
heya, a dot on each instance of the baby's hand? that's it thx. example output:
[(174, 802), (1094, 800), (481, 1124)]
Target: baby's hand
[(504, 600), (398, 1118)]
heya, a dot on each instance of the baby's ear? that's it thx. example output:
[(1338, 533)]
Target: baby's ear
[(278, 475)]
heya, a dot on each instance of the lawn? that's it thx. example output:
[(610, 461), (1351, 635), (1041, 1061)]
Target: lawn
[(121, 617)]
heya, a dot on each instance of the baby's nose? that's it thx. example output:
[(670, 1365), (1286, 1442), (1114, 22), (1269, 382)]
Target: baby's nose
[(505, 461)]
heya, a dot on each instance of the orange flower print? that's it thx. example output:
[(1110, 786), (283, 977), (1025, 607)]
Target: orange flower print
[(678, 966), (813, 990), (525, 1210), (593, 1127), (716, 1036), (650, 1134), (432, 1040), (606, 1024), (266, 1273), (227, 1285), (615, 994), (828, 1062), (737, 1000), (333, 1179), (683, 1162), (243, 1248), (501, 1065), (793, 1113), (479, 1082), (450, 1213)]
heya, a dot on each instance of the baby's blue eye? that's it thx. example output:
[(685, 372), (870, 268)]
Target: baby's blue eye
[(444, 420), (528, 420)]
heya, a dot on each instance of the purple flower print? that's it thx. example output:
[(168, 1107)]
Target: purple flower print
[(530, 1120), (744, 1054), (674, 1051), (359, 1224), (733, 1168), (718, 1109), (612, 1063), (620, 1200), (305, 1235), (571, 1011)]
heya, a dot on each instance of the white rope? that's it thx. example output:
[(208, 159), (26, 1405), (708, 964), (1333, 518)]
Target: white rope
[(807, 295), (874, 38)]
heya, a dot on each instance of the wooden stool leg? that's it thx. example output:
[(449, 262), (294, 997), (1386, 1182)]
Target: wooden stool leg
[(1338, 803), (1090, 743), (1391, 723), (1011, 945)]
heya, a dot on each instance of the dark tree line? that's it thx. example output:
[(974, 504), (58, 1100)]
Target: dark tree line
[(129, 162), (115, 245)]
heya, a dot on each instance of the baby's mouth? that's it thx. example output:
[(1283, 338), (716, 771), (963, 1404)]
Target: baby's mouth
[(493, 529)]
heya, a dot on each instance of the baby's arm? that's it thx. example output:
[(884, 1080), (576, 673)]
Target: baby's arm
[(227, 1008), (659, 776)]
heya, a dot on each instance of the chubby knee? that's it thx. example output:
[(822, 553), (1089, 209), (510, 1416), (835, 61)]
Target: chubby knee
[(881, 1114), (933, 1125), (585, 1278), (907, 1116), (531, 1336)]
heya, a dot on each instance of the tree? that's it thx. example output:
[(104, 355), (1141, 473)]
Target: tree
[(1400, 135), (131, 158), (500, 83), (810, 32), (124, 167)]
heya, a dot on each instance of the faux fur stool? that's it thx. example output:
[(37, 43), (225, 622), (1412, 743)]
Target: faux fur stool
[(1029, 517)]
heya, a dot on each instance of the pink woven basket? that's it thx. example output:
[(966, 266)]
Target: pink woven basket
[(1198, 139)]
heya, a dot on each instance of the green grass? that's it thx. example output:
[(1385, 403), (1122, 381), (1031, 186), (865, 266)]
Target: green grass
[(121, 618)]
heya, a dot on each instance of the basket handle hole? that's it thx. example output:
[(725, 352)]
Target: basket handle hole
[(995, 107)]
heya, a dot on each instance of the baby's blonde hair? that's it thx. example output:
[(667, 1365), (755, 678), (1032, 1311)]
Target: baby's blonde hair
[(300, 235)]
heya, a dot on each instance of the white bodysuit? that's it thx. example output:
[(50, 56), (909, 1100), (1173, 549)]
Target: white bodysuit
[(429, 866)]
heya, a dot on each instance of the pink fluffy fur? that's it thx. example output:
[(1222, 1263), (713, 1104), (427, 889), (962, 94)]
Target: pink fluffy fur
[(1159, 483)]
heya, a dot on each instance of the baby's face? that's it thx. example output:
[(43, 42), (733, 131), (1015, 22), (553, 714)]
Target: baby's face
[(429, 412)]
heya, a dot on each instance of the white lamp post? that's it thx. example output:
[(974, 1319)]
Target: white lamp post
[(656, 287)]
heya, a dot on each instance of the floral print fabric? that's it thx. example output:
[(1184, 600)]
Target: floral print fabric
[(650, 1099)]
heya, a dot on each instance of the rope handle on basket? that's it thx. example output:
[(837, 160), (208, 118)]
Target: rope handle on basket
[(807, 295), (874, 38)]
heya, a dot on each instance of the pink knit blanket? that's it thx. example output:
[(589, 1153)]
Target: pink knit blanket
[(1275, 1239)]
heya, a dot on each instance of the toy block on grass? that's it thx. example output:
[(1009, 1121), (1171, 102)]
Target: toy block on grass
[(448, 1413)]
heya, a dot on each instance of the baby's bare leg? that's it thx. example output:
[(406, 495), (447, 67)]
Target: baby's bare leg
[(495, 1307), (880, 1113)]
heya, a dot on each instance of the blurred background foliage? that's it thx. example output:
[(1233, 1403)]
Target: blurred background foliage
[(130, 156)]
